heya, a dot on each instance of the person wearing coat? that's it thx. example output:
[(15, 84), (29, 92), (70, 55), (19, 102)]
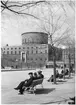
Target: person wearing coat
[(25, 83), (40, 75)]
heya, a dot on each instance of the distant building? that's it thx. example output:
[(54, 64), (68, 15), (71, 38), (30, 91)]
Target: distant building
[(34, 38), (58, 55), (34, 44), (69, 54)]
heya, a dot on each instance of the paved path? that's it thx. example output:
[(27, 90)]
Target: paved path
[(51, 93)]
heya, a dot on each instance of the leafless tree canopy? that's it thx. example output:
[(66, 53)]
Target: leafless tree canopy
[(18, 6), (49, 19), (50, 16)]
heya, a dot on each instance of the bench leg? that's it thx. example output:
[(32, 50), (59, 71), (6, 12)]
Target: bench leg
[(35, 87), (42, 85), (32, 90)]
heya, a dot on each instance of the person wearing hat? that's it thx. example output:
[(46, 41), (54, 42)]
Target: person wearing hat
[(40, 75), (35, 76), (25, 83)]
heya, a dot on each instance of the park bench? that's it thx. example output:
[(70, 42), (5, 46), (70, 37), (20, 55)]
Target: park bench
[(32, 87)]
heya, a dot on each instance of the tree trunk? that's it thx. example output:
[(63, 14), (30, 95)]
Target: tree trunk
[(54, 62), (69, 62), (69, 65)]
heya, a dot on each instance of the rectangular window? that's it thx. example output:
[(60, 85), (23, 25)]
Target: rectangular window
[(11, 52), (27, 52), (11, 48), (15, 48), (23, 47), (19, 52), (32, 51), (36, 58), (19, 48), (4, 48), (7, 48), (36, 51), (45, 51), (45, 59), (41, 59), (27, 47), (31, 58), (15, 52), (7, 52)]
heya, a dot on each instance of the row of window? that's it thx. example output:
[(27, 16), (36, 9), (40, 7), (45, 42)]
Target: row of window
[(15, 48), (20, 52), (30, 40), (11, 52), (19, 48), (37, 59)]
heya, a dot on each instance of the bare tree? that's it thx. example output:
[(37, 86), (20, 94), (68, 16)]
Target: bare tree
[(70, 45), (53, 22), (19, 7), (51, 18)]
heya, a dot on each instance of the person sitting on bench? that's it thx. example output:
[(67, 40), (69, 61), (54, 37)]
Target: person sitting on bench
[(61, 75), (66, 72), (25, 83), (57, 74), (40, 75), (35, 76)]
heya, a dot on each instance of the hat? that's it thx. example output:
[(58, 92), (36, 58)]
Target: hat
[(39, 71), (30, 73)]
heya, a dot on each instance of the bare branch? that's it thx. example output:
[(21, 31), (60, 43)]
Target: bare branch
[(72, 4), (63, 9), (17, 12), (62, 36)]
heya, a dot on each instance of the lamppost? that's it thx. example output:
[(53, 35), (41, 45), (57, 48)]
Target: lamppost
[(64, 48)]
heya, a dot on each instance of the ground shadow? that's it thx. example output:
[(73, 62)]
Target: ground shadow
[(61, 80), (68, 77), (58, 82), (57, 102), (44, 90)]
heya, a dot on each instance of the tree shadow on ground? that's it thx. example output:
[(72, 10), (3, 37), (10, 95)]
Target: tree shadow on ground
[(59, 82), (57, 102), (68, 77), (44, 91)]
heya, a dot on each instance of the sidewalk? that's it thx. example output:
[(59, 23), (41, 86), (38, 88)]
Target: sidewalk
[(51, 94)]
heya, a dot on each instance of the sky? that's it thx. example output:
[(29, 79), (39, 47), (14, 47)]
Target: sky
[(12, 26)]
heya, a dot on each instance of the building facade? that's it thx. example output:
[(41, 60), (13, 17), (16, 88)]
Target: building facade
[(34, 44), (68, 56)]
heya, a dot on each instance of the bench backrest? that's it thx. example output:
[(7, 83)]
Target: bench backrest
[(37, 82)]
